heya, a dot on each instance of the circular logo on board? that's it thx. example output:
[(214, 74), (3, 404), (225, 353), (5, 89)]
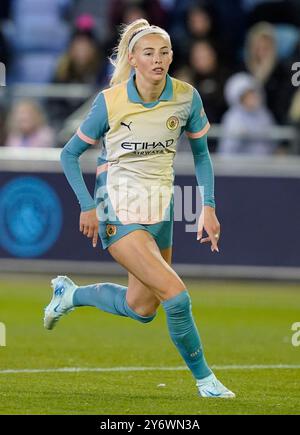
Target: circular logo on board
[(172, 122), (30, 217), (111, 230)]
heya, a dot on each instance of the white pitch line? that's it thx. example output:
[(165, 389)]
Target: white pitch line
[(146, 369)]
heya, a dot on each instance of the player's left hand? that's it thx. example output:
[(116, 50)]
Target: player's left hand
[(208, 221)]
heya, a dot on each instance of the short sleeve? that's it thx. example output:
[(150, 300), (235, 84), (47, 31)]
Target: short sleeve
[(96, 123), (197, 124)]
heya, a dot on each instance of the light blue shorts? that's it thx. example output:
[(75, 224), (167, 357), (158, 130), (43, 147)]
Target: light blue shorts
[(162, 232)]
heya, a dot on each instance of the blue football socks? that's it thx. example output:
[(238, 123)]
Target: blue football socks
[(107, 297), (111, 298), (184, 333)]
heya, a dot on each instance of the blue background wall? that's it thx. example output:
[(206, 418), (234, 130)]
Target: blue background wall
[(259, 220)]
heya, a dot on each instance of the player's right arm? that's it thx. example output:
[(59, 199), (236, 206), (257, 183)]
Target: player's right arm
[(88, 134)]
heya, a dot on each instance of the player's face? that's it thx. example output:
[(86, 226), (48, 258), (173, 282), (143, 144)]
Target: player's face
[(152, 57)]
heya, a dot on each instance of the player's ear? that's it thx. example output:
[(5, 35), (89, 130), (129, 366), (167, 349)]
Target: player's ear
[(131, 60), (171, 56)]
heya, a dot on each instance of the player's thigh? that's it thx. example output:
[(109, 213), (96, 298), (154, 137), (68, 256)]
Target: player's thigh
[(142, 298), (140, 255)]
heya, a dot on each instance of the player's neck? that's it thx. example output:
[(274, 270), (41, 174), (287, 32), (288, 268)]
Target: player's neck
[(149, 92)]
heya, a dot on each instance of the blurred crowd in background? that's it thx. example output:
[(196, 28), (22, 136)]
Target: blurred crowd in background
[(237, 53)]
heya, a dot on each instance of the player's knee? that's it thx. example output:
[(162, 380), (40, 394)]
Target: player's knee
[(146, 319), (143, 314), (147, 314), (145, 309)]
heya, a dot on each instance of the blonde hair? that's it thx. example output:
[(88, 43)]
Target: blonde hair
[(119, 58)]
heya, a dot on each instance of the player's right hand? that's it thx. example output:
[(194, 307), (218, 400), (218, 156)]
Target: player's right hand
[(88, 225)]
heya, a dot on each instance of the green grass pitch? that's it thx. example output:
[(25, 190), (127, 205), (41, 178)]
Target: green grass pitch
[(241, 324)]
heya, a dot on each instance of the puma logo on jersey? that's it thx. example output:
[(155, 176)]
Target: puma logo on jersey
[(127, 125)]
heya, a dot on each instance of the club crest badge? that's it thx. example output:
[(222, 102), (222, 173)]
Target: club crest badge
[(172, 122)]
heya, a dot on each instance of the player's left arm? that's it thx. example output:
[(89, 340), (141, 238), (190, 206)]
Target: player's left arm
[(196, 129)]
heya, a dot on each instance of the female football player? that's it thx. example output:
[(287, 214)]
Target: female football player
[(140, 118)]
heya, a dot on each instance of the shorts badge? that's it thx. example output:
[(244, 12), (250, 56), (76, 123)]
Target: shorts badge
[(111, 230)]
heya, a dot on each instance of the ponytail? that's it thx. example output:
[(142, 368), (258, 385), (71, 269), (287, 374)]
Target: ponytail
[(119, 58)]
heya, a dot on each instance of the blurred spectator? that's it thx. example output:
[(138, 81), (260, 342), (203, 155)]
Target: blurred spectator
[(27, 126), (83, 62), (209, 77), (99, 10), (262, 62), (199, 23), (177, 16), (247, 120), (261, 53)]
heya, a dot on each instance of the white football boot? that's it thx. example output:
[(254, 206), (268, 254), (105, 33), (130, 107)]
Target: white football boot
[(211, 387), (61, 302)]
